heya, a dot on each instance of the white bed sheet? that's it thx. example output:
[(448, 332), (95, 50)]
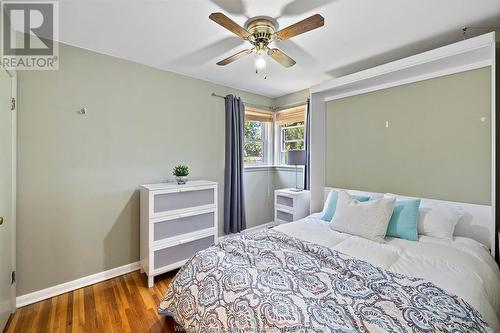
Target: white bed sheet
[(462, 267)]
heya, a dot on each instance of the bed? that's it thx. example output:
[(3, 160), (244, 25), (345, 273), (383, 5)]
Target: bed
[(305, 277)]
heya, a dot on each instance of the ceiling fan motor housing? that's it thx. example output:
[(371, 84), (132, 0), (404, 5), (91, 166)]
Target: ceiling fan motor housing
[(261, 31)]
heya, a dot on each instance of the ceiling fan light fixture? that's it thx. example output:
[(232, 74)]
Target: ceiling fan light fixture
[(261, 64), (260, 61)]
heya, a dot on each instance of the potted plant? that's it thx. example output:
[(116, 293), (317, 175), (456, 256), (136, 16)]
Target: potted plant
[(180, 172)]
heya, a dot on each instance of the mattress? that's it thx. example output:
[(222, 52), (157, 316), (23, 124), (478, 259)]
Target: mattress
[(462, 267)]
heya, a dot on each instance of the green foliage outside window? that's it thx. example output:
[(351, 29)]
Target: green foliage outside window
[(253, 145), (293, 136)]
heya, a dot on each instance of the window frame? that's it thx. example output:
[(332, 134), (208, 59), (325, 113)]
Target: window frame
[(265, 144), (283, 140)]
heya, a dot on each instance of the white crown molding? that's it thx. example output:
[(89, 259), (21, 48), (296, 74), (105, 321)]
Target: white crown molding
[(59, 289), (417, 78)]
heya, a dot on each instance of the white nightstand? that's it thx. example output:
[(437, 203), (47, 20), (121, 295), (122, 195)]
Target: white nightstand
[(290, 205)]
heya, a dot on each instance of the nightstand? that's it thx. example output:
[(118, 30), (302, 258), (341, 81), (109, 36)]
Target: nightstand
[(290, 205)]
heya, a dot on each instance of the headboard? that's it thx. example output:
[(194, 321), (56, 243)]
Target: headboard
[(477, 222)]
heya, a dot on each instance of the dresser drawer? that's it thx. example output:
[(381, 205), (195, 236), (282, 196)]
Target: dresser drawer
[(175, 226), (285, 216), (284, 200), (182, 199), (174, 254)]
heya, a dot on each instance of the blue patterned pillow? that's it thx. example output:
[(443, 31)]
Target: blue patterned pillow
[(404, 220), (331, 204)]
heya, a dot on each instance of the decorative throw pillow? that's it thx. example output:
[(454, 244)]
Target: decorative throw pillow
[(331, 204), (439, 221), (435, 220), (404, 220), (367, 219)]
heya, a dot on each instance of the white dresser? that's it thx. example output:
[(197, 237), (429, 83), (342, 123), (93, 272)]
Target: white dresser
[(176, 222), (290, 205)]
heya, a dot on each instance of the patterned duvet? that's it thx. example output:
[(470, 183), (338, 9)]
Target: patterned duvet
[(270, 282)]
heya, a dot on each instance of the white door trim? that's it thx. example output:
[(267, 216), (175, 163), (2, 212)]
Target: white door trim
[(13, 76)]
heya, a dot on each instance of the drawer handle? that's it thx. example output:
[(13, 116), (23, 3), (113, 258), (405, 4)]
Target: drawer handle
[(187, 240)]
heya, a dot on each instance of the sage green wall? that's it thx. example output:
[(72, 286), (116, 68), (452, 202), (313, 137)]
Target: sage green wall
[(436, 146), (78, 175), (291, 99), (260, 185), (259, 192), (285, 178)]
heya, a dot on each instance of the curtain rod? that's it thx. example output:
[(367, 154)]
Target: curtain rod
[(273, 108), (249, 104)]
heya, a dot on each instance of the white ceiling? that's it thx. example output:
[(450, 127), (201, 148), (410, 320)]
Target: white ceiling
[(177, 35)]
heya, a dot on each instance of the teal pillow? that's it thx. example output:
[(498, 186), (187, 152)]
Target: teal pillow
[(331, 204), (404, 220)]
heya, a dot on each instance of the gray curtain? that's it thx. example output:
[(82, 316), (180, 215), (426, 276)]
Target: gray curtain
[(234, 201), (307, 167)]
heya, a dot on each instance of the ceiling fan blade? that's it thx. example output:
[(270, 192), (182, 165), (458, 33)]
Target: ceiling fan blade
[(235, 57), (281, 57), (300, 27), (229, 24)]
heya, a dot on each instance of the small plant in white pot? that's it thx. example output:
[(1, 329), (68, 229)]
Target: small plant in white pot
[(180, 172)]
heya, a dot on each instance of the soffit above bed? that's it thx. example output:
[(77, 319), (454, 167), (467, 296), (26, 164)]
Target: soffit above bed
[(177, 35), (461, 56)]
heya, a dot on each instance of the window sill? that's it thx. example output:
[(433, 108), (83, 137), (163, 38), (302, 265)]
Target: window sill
[(284, 167)]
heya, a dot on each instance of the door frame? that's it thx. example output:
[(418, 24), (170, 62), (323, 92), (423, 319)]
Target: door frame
[(13, 77)]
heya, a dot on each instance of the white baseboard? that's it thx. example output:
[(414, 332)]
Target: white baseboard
[(260, 226), (59, 289)]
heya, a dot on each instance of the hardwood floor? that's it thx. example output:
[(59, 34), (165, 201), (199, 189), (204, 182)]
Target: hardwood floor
[(122, 304)]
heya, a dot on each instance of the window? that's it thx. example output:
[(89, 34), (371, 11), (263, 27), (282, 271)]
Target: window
[(290, 131), (256, 139), (291, 138), (269, 135), (254, 145)]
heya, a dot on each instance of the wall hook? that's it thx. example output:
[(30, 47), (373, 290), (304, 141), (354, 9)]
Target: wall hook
[(82, 111)]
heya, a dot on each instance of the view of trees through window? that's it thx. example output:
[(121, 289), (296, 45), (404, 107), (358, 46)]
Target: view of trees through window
[(293, 136), (254, 141)]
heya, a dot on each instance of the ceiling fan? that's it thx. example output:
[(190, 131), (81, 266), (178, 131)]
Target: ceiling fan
[(260, 32)]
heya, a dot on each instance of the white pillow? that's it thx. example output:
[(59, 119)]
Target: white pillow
[(435, 220), (438, 221), (367, 219), (399, 197)]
